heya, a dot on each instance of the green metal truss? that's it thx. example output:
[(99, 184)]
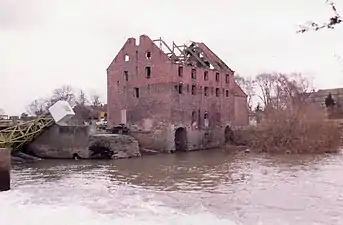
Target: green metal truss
[(16, 136)]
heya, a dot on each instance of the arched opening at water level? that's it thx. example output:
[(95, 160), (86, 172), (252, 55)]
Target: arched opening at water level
[(228, 134), (180, 139)]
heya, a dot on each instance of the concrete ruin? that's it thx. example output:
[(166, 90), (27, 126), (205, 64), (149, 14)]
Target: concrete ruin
[(67, 142), (183, 98), (5, 169)]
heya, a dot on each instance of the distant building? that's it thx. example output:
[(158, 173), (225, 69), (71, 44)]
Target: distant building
[(3, 117), (183, 99), (88, 113)]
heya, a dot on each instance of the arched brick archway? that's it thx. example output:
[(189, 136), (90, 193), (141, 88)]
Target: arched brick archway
[(180, 139)]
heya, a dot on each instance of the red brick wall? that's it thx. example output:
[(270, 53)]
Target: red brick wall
[(159, 99)]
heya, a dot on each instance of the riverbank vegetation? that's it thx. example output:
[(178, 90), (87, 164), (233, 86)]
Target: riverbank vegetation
[(289, 121)]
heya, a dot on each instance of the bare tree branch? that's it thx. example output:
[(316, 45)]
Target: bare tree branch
[(330, 24), (248, 86), (82, 99), (95, 99)]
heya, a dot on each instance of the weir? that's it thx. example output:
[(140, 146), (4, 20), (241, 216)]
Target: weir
[(15, 137)]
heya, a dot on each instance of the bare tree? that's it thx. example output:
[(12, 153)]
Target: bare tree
[(248, 85), (279, 90), (290, 120), (38, 107), (330, 24), (265, 83), (64, 93), (95, 99), (82, 99)]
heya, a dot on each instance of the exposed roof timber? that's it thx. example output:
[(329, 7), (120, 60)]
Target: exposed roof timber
[(195, 54), (162, 43)]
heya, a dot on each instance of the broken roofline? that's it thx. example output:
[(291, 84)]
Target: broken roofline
[(196, 54)]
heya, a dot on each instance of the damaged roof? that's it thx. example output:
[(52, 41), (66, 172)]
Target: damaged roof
[(195, 54)]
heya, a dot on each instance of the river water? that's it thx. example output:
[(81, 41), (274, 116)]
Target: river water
[(205, 187)]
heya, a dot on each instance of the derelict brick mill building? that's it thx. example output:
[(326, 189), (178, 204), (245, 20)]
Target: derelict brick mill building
[(178, 98)]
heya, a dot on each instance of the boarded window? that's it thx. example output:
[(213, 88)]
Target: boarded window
[(227, 93), (126, 75), (206, 91), (217, 92), (194, 117), (206, 120)]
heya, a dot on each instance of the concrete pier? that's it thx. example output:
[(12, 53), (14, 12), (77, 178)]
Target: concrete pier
[(5, 169)]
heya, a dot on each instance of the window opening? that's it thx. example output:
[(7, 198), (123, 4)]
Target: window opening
[(217, 92), (148, 55), (217, 77), (180, 71), (206, 91), (194, 73), (180, 88), (206, 75), (148, 72), (137, 92), (193, 89)]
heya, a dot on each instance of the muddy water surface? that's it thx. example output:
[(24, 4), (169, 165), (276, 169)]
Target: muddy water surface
[(205, 187)]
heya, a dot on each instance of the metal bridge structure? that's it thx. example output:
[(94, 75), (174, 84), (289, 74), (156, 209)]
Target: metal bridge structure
[(18, 135)]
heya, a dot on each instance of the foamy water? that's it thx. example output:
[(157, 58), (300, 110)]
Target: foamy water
[(197, 188), (77, 201)]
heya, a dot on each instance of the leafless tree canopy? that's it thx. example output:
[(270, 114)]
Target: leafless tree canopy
[(66, 93), (279, 90), (291, 122), (82, 99), (38, 107), (248, 86), (330, 24), (95, 99)]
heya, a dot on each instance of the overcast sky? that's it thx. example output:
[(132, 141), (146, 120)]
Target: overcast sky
[(47, 43)]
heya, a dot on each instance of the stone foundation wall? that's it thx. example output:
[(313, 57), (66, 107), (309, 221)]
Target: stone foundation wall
[(5, 169), (66, 142), (61, 142), (163, 139), (113, 146)]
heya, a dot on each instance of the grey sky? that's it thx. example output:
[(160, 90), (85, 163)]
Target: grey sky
[(47, 43)]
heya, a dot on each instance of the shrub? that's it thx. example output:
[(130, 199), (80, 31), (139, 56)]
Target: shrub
[(305, 130)]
